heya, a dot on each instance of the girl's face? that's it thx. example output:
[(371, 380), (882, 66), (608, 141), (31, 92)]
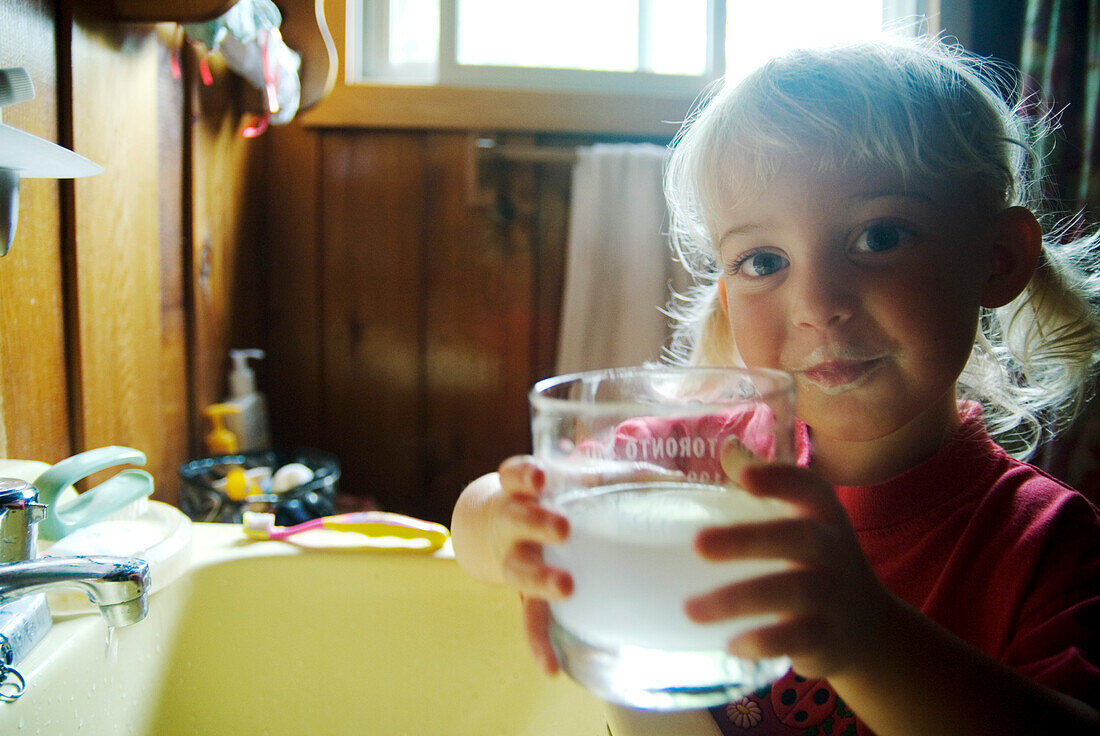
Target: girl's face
[(868, 292)]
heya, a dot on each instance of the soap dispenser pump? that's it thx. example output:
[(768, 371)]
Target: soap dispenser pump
[(250, 426), (220, 440)]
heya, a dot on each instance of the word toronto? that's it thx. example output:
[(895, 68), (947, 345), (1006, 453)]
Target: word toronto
[(671, 448), (695, 457)]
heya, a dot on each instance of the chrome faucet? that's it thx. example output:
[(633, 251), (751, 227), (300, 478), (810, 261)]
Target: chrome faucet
[(119, 586)]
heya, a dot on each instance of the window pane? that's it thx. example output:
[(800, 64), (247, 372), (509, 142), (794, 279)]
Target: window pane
[(679, 37), (587, 44), (757, 31), (564, 34), (414, 31)]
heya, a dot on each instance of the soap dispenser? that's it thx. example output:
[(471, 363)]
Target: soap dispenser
[(250, 425)]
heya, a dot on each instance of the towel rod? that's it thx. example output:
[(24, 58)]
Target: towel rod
[(526, 152)]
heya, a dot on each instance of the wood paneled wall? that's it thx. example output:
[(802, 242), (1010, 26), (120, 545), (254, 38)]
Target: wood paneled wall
[(414, 300), (112, 263)]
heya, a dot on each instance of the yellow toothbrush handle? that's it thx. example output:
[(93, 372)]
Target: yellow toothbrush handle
[(385, 524)]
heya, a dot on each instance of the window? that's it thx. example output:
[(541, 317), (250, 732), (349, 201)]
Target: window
[(624, 45), (757, 31), (631, 46)]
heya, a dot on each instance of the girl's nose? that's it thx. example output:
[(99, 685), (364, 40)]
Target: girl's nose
[(823, 299)]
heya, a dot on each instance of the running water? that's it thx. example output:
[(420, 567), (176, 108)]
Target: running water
[(112, 646)]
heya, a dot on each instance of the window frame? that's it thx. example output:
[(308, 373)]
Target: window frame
[(354, 104), (371, 47)]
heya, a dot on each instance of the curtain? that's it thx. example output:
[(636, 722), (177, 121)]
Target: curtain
[(618, 263), (1060, 62)]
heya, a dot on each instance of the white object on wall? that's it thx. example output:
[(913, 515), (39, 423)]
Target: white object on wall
[(619, 266), (23, 156)]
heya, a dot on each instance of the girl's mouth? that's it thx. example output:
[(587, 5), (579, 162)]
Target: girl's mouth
[(838, 376)]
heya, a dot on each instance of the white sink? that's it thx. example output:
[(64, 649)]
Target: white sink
[(277, 638)]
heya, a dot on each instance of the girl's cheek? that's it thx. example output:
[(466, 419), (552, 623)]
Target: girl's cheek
[(757, 331)]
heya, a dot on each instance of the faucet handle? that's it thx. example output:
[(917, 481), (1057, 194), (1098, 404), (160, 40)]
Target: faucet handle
[(19, 513), (36, 512), (16, 493), (19, 494), (94, 504)]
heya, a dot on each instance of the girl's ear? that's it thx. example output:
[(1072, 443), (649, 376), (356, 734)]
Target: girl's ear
[(1017, 241), (722, 299)]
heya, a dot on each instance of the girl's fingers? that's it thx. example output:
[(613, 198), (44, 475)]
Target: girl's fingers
[(800, 539), (521, 517), (789, 593), (521, 474), (805, 631), (789, 483), (525, 570), (528, 525), (736, 457), (791, 637), (536, 624), (802, 488)]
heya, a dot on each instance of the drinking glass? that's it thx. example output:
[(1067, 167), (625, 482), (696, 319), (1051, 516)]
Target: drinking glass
[(632, 458)]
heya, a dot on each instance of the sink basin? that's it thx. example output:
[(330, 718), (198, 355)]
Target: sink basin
[(277, 638)]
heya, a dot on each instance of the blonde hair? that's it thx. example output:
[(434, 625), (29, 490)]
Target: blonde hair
[(930, 112)]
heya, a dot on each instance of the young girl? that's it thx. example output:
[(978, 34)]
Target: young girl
[(862, 217)]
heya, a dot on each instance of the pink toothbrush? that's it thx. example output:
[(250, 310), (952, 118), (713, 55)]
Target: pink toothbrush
[(368, 523)]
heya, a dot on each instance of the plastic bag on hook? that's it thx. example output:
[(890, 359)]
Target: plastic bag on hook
[(248, 37)]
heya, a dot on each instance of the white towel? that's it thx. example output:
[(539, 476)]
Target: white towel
[(618, 262)]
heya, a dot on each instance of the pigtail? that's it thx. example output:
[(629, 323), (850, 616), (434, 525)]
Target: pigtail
[(1035, 362)]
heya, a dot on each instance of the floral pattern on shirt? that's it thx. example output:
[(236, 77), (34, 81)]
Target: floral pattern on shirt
[(744, 713), (793, 705)]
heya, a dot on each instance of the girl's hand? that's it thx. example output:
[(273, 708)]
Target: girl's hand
[(827, 601), (522, 527), (519, 527), (498, 531)]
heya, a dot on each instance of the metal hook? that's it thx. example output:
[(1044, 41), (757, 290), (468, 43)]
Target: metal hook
[(11, 678)]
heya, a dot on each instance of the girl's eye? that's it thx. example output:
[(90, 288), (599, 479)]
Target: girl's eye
[(759, 264), (880, 238)]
